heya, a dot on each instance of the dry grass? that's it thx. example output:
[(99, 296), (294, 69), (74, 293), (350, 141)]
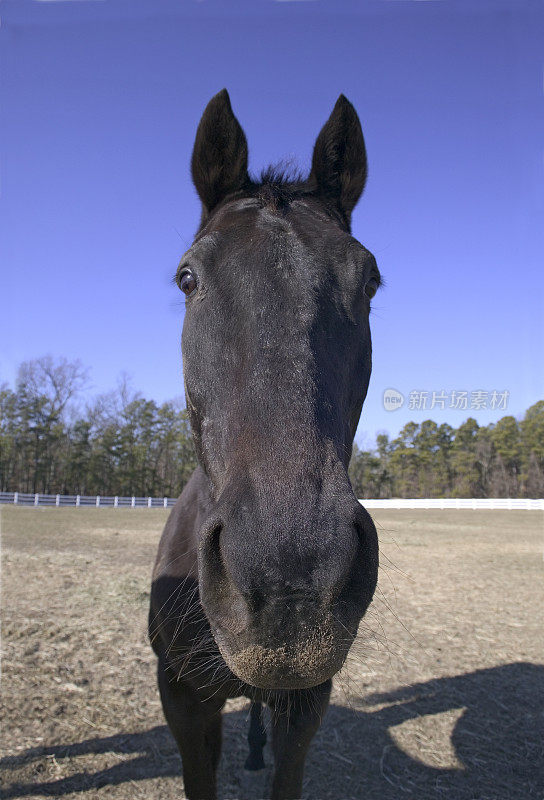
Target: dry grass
[(442, 696)]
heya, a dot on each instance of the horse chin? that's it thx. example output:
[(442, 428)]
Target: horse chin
[(299, 665)]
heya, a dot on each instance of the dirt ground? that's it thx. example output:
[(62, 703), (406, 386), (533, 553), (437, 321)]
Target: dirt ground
[(442, 696)]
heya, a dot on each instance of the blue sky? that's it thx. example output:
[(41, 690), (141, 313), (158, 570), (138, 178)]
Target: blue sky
[(100, 103)]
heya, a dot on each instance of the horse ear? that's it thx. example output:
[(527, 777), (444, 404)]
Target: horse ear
[(219, 162), (339, 165)]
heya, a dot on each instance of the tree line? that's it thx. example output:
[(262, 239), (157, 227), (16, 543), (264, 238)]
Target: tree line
[(121, 443), (503, 459)]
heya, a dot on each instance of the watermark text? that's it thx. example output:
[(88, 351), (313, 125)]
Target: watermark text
[(459, 399)]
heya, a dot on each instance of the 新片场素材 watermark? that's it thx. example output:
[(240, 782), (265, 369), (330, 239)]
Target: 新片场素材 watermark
[(459, 399)]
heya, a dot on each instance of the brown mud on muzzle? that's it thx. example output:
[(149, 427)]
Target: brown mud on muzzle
[(305, 663)]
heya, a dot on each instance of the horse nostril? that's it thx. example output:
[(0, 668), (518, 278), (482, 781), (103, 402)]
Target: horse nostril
[(210, 542), (256, 600), (366, 531), (361, 534), (368, 542), (215, 534)]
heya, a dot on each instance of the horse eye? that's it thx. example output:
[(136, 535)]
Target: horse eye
[(187, 283), (371, 287)]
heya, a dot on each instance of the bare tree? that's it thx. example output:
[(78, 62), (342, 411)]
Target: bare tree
[(57, 380)]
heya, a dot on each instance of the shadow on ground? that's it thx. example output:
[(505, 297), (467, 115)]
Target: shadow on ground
[(497, 740)]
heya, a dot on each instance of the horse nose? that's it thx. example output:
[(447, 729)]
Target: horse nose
[(297, 565), (219, 593), (275, 570), (280, 599), (245, 574)]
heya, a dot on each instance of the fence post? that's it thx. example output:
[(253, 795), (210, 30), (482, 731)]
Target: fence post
[(78, 500), (166, 502), (36, 499), (133, 502), (15, 498), (149, 502), (115, 501), (97, 500), (57, 500)]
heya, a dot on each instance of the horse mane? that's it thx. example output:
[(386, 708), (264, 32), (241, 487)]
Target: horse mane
[(279, 184)]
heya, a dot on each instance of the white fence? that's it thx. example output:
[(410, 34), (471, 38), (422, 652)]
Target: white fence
[(98, 501), (509, 503), (87, 501)]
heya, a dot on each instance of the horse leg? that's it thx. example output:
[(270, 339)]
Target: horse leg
[(197, 731), (256, 738), (293, 728)]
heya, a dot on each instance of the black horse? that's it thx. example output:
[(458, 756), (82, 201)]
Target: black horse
[(267, 563)]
